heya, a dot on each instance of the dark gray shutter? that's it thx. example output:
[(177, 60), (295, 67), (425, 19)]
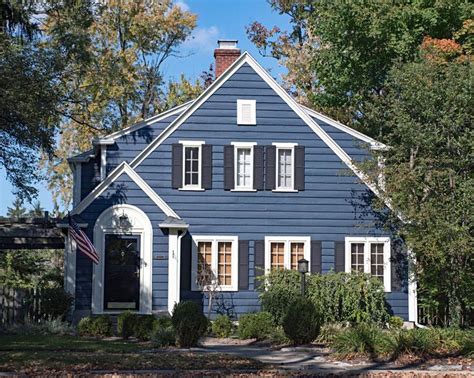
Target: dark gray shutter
[(228, 167), (299, 167), (270, 167), (316, 248), (258, 167), (186, 257), (177, 166), (243, 264), (206, 166), (339, 252), (259, 258)]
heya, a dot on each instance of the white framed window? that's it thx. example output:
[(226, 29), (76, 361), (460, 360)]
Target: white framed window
[(285, 166), (283, 252), (246, 112), (369, 255), (243, 166), (214, 262), (192, 165)]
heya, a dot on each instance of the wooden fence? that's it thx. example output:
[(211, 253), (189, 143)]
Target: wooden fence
[(18, 305)]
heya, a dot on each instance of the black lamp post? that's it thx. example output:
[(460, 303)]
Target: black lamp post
[(303, 268)]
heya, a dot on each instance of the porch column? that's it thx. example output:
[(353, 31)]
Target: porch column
[(173, 269)]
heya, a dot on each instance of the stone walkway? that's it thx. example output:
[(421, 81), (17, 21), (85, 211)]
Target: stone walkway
[(314, 359)]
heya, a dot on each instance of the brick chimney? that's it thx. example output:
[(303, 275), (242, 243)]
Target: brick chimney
[(225, 54)]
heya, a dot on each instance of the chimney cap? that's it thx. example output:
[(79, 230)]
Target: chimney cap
[(227, 44)]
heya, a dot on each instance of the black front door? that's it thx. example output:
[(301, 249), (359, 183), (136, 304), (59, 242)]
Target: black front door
[(122, 272)]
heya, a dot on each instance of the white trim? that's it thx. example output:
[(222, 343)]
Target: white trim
[(192, 144), (253, 115), (173, 269), (76, 189), (70, 264), (284, 145), (356, 134), (412, 289), (114, 175), (287, 257), (243, 146), (214, 263), (103, 162), (140, 225), (366, 240), (146, 122)]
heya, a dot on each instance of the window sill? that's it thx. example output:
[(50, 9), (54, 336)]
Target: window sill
[(192, 189), (285, 191), (243, 190)]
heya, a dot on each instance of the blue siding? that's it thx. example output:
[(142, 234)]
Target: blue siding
[(90, 175), (124, 190), (328, 210)]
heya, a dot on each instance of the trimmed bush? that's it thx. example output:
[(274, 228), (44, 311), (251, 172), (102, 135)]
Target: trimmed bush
[(366, 339), (395, 322), (102, 326), (222, 326), (164, 337), (258, 326), (84, 327), (189, 323), (144, 326), (301, 323), (125, 324)]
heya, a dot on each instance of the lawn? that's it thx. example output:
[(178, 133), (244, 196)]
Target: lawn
[(40, 354)]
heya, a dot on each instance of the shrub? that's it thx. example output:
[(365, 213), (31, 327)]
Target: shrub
[(84, 327), (395, 322), (43, 327), (125, 324), (329, 332), (349, 297), (101, 326), (144, 326), (163, 322), (164, 336), (277, 337), (222, 326), (281, 286), (301, 323), (258, 326), (418, 342), (189, 323), (339, 297), (364, 339)]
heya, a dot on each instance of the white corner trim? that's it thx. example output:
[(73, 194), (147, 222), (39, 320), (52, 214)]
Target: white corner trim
[(114, 175), (287, 240), (412, 289), (70, 265), (103, 162), (140, 225), (367, 240), (77, 179)]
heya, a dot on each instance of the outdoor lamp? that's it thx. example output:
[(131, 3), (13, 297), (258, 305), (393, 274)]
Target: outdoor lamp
[(303, 269), (303, 266)]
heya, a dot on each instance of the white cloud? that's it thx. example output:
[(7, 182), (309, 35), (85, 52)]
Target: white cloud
[(180, 3), (203, 39)]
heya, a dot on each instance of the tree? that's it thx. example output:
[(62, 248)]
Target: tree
[(427, 114), (115, 52), (37, 211), (17, 210), (338, 54), (30, 97)]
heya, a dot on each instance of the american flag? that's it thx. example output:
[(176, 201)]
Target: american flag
[(83, 243)]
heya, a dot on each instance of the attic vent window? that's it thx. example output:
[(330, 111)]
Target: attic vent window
[(246, 112)]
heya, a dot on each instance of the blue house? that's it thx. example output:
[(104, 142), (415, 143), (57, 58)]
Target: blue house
[(219, 190)]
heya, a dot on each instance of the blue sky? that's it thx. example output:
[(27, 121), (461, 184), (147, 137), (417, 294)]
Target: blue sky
[(217, 19)]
